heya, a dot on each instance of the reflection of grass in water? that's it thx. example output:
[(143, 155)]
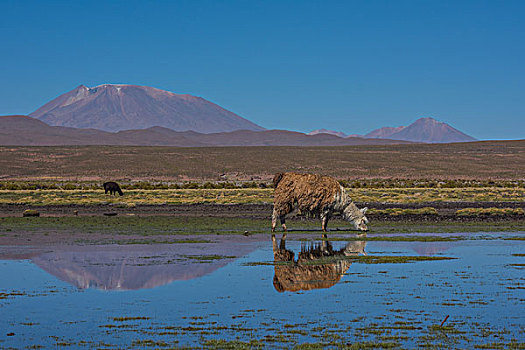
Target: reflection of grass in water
[(141, 241), (518, 266), (409, 227), (401, 238), (232, 344), (153, 241), (368, 259), (350, 346), (444, 227), (446, 329), (208, 257), (501, 345), (280, 333), (11, 294), (150, 343), (120, 326), (123, 319), (268, 263)]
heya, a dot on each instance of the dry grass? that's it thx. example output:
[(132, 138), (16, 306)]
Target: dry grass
[(419, 195), (400, 211), (250, 195), (135, 197), (479, 171), (495, 160), (490, 211)]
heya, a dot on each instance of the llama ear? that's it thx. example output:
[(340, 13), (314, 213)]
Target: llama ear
[(364, 210)]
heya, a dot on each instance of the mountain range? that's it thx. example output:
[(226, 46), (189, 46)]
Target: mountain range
[(118, 114), (26, 131), (426, 130)]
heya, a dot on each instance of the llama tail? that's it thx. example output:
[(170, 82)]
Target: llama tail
[(277, 178)]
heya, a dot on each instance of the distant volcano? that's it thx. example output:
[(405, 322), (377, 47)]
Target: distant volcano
[(384, 133), (329, 132), (426, 130), (112, 107)]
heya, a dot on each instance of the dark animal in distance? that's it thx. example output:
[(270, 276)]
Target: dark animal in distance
[(112, 188), (314, 194)]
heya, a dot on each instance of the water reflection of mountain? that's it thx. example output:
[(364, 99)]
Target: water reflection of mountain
[(317, 266), (432, 248), (136, 267), (421, 248)]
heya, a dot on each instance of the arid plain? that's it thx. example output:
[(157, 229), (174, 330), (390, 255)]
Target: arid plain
[(487, 160)]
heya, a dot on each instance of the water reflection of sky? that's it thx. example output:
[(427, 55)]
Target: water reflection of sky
[(477, 288)]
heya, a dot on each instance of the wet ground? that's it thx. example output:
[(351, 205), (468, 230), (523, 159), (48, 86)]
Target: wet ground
[(385, 290), (445, 210)]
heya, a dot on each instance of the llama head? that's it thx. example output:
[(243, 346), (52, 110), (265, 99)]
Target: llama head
[(356, 216)]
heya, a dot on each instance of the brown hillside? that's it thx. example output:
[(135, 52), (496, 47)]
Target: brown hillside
[(26, 131)]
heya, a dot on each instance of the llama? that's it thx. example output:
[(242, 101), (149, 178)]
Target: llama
[(316, 195), (112, 188)]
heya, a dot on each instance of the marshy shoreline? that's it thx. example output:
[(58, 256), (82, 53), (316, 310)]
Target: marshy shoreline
[(185, 223), (424, 211)]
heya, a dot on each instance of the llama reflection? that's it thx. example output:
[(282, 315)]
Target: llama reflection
[(309, 272)]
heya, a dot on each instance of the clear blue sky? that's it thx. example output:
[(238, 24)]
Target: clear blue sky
[(350, 66)]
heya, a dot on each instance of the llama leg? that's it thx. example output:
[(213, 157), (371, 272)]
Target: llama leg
[(278, 249), (282, 244), (283, 224), (324, 245), (324, 221), (274, 220)]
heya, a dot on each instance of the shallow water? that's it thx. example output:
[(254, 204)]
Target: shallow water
[(189, 294)]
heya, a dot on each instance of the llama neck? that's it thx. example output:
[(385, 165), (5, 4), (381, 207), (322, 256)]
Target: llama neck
[(342, 199)]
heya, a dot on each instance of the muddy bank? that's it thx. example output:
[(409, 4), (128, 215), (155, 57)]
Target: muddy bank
[(134, 229), (445, 210), (255, 211)]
